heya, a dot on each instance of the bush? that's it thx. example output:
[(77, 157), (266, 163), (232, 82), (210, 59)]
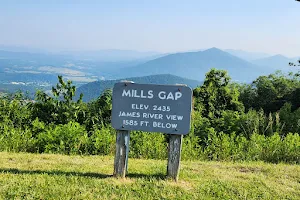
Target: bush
[(148, 145), (16, 139), (219, 146), (103, 141), (221, 129), (291, 148), (191, 150), (273, 149), (70, 138)]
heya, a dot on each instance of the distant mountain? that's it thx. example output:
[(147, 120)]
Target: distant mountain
[(27, 77), (71, 65), (296, 58), (249, 56), (194, 65), (113, 55), (277, 62), (29, 91), (105, 55), (34, 58), (22, 49), (94, 89), (42, 67), (37, 68)]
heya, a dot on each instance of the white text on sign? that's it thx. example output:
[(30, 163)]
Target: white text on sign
[(149, 94)]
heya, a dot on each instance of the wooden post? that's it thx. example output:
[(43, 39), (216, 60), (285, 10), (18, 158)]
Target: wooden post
[(174, 154), (127, 140), (121, 156)]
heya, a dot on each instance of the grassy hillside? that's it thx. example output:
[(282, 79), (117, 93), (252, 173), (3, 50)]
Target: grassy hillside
[(94, 89), (43, 176)]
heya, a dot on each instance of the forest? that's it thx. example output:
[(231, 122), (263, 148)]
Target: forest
[(231, 121)]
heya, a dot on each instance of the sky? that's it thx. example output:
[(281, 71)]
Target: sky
[(269, 26)]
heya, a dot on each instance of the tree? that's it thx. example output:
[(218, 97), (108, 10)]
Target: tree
[(99, 111), (270, 92), (247, 96), (60, 107), (216, 95)]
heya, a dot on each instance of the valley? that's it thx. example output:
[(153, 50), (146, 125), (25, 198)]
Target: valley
[(94, 71)]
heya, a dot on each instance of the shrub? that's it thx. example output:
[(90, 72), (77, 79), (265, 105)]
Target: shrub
[(148, 145), (273, 148), (16, 139), (291, 148), (103, 141), (191, 150), (70, 138)]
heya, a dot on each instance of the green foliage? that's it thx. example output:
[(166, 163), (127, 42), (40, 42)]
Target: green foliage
[(221, 130), (255, 122), (147, 145), (248, 95), (270, 92), (16, 139), (99, 111), (59, 108), (215, 95), (68, 138), (273, 149), (216, 104), (14, 111), (103, 141), (191, 148), (200, 126), (290, 119)]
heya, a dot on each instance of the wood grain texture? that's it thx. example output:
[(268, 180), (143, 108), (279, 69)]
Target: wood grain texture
[(174, 155), (121, 156)]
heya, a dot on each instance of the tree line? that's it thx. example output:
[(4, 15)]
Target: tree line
[(230, 121)]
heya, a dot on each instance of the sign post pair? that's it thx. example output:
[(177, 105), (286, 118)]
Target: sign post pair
[(151, 108)]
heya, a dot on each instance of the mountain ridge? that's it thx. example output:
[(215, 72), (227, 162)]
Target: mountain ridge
[(94, 89), (247, 55), (275, 62), (194, 65)]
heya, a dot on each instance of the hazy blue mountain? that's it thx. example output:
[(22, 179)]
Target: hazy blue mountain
[(94, 89), (22, 49), (194, 65), (26, 77), (64, 64), (277, 62), (113, 55), (26, 82), (296, 58), (17, 66), (107, 55), (31, 68), (34, 59), (249, 56), (29, 91)]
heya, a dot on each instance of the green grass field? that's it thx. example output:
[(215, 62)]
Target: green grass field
[(44, 176)]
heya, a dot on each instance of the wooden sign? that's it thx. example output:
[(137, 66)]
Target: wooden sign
[(151, 108)]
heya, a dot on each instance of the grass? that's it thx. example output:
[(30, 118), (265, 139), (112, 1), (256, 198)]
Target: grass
[(47, 176)]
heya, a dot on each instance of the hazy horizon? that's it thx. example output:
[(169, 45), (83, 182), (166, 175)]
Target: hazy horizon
[(153, 26)]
